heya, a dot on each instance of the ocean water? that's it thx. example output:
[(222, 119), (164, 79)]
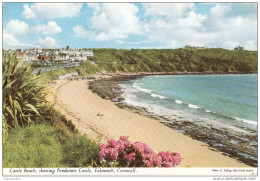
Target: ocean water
[(225, 102)]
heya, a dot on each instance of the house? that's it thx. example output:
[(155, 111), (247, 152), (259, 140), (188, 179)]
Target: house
[(36, 50), (84, 58), (239, 48), (55, 53), (42, 57), (87, 53), (56, 58), (65, 57)]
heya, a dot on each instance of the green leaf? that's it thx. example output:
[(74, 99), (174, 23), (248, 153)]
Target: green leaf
[(11, 100), (10, 111), (34, 109), (17, 106)]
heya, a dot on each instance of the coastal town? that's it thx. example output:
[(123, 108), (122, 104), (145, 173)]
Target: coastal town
[(48, 56), (65, 55)]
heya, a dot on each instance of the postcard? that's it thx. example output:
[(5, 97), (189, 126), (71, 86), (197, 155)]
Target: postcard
[(129, 89)]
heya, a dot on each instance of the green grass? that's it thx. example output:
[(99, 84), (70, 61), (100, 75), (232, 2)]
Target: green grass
[(34, 146), (52, 143), (79, 151), (64, 126), (40, 145)]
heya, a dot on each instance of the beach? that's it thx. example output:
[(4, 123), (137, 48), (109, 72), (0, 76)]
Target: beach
[(101, 119)]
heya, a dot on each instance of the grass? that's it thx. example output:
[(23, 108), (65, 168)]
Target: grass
[(49, 144), (64, 126), (34, 146), (79, 151), (39, 146)]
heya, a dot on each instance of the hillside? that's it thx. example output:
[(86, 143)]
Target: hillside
[(171, 60)]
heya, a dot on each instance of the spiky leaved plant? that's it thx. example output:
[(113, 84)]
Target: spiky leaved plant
[(23, 94)]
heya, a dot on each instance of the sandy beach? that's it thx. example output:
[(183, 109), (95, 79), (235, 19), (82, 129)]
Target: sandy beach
[(102, 119)]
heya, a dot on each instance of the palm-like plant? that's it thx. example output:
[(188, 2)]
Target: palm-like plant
[(23, 94)]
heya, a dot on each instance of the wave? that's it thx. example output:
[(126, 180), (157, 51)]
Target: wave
[(148, 91), (193, 106), (178, 102), (246, 121), (207, 110), (142, 89), (159, 96)]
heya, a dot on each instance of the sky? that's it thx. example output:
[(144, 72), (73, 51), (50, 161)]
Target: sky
[(129, 25)]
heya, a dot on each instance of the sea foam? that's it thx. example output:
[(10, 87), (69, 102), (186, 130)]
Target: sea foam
[(178, 102), (193, 106), (159, 96), (148, 91), (246, 121), (141, 89)]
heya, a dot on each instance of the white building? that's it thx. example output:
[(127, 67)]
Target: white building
[(87, 53), (36, 50)]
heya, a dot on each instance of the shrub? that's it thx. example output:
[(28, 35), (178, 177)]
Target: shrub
[(123, 153), (34, 146), (79, 151), (23, 94)]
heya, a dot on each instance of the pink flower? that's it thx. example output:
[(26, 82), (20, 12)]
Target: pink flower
[(162, 154), (166, 156), (168, 164), (123, 138), (157, 160), (143, 149), (120, 146), (113, 153), (116, 150), (127, 144), (130, 157), (102, 154), (111, 142), (176, 158), (148, 163), (102, 146)]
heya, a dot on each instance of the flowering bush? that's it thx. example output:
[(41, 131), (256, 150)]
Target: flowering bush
[(123, 153)]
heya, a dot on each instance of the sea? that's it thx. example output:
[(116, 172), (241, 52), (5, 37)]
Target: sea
[(217, 102)]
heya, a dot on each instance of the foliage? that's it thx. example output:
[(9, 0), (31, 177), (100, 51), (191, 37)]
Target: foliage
[(34, 146), (172, 60), (83, 69), (64, 127), (79, 151), (123, 153), (23, 94)]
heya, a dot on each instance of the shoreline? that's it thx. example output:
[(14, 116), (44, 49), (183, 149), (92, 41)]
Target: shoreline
[(216, 138), (97, 117), (175, 73)]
